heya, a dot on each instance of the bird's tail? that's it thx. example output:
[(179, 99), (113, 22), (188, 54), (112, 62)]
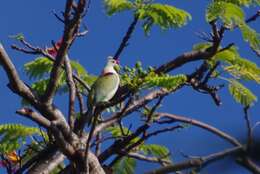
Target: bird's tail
[(87, 118)]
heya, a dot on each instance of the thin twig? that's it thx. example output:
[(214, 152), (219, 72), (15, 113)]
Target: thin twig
[(249, 129), (173, 118), (125, 39), (196, 163)]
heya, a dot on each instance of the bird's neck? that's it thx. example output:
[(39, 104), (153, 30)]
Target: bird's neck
[(108, 70)]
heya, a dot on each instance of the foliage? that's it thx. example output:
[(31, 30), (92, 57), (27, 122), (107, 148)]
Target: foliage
[(234, 64), (242, 2), (138, 78), (125, 166), (120, 132), (229, 13), (37, 68), (40, 68), (232, 15), (115, 6), (165, 16), (240, 93), (238, 67), (234, 68), (13, 135), (156, 150), (165, 81), (251, 36)]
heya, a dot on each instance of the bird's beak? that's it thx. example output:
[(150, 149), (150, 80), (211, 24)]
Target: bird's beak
[(117, 61)]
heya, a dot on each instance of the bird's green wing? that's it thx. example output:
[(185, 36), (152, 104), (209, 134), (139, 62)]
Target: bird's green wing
[(101, 88)]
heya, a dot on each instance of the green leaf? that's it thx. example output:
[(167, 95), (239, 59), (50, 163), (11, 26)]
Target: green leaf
[(165, 16), (155, 150), (240, 93), (115, 6), (232, 16), (13, 134), (88, 78), (125, 166), (38, 68), (241, 2), (165, 81), (41, 66), (76, 66), (238, 67), (201, 46), (116, 132), (229, 13), (250, 36)]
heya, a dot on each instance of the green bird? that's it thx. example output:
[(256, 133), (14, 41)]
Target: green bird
[(106, 85), (104, 88)]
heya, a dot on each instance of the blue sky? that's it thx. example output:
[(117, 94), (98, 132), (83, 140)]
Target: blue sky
[(35, 20)]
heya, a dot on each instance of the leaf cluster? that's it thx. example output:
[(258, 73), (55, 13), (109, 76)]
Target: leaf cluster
[(163, 15), (239, 68), (40, 68), (137, 78), (232, 15), (14, 135)]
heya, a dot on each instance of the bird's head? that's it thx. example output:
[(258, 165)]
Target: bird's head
[(111, 62)]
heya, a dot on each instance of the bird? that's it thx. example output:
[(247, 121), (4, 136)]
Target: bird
[(106, 85), (103, 89)]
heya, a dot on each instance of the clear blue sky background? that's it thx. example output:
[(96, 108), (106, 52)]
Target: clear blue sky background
[(35, 21)]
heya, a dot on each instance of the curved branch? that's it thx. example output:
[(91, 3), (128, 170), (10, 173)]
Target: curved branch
[(70, 28), (174, 118)]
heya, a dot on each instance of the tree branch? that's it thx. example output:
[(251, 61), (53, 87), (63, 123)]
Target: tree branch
[(15, 83), (34, 116), (196, 162), (70, 28), (47, 165), (72, 92), (126, 38), (249, 129), (141, 157), (173, 118), (40, 51)]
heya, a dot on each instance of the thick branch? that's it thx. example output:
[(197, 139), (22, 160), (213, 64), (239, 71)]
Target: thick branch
[(39, 161), (34, 116), (72, 91), (15, 83), (70, 28), (47, 165)]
